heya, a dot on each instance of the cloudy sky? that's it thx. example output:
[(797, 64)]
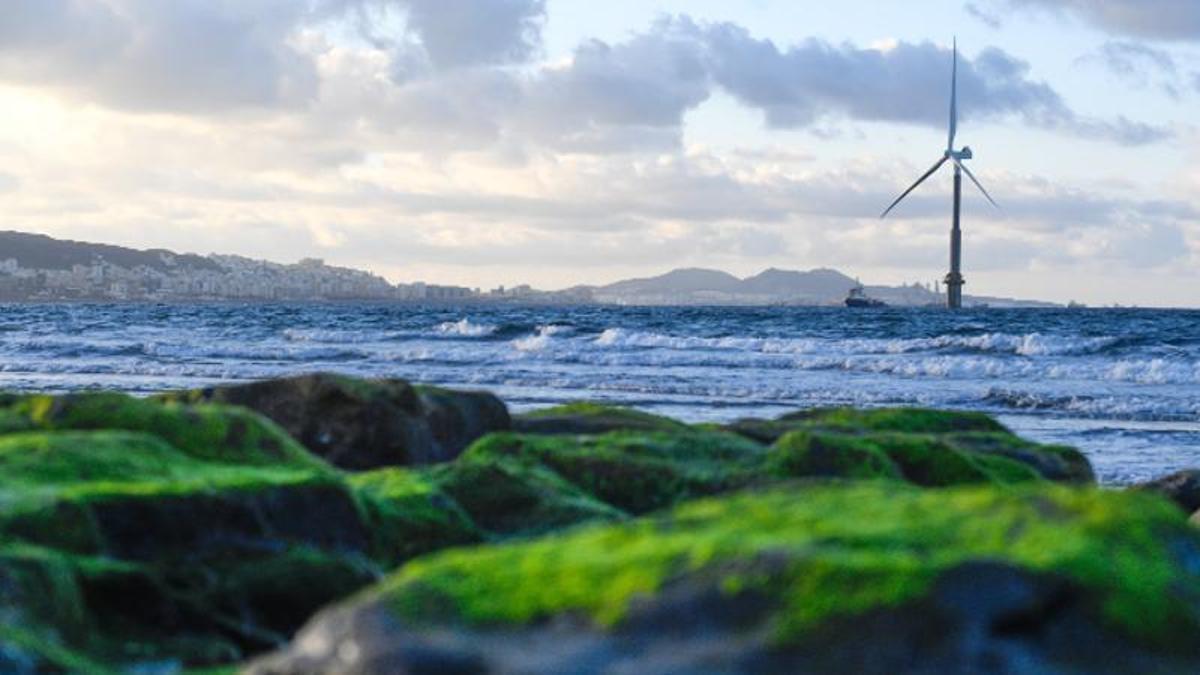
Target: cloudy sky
[(556, 142)]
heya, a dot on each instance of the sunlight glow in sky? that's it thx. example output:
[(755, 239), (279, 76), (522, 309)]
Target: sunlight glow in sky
[(558, 142)]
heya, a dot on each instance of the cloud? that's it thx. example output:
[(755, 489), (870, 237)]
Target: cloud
[(185, 55), (212, 56), (1140, 65), (633, 95), (987, 18), (468, 32), (1151, 19), (907, 82), (449, 33), (447, 81), (630, 94)]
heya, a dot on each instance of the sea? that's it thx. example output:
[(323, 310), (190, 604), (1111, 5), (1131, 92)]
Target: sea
[(1122, 385)]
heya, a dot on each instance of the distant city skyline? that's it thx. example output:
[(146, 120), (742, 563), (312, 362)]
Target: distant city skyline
[(559, 142)]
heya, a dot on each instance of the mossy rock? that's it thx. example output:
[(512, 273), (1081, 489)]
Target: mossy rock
[(27, 650), (900, 420), (636, 472), (863, 578), (12, 422), (208, 432), (228, 532), (410, 515), (119, 548), (508, 497), (591, 418), (360, 424), (920, 459), (823, 455), (1058, 463)]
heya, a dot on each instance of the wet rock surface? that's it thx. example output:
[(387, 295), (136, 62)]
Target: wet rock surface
[(203, 529), (743, 585), (365, 424), (1181, 487)]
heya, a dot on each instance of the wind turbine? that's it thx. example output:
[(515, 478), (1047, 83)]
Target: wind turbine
[(954, 280)]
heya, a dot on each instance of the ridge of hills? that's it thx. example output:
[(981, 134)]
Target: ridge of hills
[(39, 251), (684, 286)]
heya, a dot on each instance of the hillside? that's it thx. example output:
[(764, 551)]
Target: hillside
[(704, 286), (37, 251)]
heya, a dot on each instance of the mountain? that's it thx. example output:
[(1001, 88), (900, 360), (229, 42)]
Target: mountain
[(37, 251), (690, 280), (819, 284), (822, 286), (695, 286)]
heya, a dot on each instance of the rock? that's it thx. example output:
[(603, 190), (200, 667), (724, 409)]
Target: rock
[(591, 418), (902, 420), (920, 459), (1058, 463), (927, 447), (1181, 487), (636, 472), (509, 498), (186, 534), (128, 547), (142, 535), (223, 434), (865, 578), (364, 424)]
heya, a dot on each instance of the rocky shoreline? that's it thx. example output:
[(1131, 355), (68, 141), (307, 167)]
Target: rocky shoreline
[(323, 524)]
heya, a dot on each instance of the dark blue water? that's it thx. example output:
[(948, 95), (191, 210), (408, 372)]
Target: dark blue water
[(1122, 385)]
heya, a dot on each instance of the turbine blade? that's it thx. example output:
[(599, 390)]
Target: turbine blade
[(953, 98), (920, 180), (976, 182)]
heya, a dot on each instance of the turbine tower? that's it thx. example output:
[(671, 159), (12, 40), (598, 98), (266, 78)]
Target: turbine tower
[(954, 280)]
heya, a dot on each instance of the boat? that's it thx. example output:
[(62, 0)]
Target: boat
[(858, 298)]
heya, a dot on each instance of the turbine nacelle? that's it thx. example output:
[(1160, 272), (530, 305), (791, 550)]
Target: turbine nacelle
[(965, 153)]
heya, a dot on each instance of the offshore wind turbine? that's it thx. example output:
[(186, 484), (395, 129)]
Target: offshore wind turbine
[(954, 280)]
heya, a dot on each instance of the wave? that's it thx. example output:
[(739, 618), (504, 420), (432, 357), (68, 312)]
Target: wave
[(266, 352), (1030, 344), (540, 340), (465, 328), (342, 336), (1126, 407)]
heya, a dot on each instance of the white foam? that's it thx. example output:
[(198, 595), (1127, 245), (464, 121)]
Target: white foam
[(465, 328)]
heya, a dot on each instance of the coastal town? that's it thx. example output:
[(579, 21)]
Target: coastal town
[(39, 268), (228, 278)]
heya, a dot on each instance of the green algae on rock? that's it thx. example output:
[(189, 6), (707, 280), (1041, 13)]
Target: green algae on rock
[(229, 533), (902, 420), (513, 498), (1040, 577), (210, 432), (126, 549), (361, 424), (409, 514), (172, 533), (926, 447), (636, 472), (916, 458), (591, 418)]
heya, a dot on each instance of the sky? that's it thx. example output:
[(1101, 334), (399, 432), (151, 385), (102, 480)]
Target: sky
[(559, 142)]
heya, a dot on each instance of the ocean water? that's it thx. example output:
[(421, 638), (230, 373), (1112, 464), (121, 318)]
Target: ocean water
[(1121, 385)]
